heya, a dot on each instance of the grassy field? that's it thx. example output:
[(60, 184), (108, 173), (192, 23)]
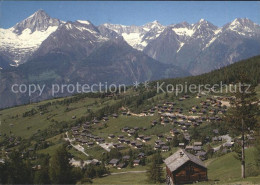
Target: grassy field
[(228, 169), (50, 150), (127, 178), (13, 121), (221, 170), (116, 124)]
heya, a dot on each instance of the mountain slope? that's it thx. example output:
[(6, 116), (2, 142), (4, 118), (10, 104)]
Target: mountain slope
[(204, 47), (112, 62), (78, 39), (198, 48), (123, 64), (137, 36), (236, 41), (164, 47)]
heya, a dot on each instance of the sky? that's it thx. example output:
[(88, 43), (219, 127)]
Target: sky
[(132, 13)]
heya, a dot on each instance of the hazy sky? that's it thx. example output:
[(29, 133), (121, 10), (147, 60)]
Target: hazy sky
[(129, 13)]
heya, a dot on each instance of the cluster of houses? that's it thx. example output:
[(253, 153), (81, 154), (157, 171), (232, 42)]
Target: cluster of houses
[(123, 140), (169, 114), (138, 143), (122, 163), (83, 135), (207, 111), (160, 145)]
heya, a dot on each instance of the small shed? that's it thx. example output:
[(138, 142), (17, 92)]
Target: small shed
[(183, 167)]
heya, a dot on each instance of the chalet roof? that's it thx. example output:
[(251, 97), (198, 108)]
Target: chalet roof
[(165, 147), (126, 157), (141, 154), (196, 148), (197, 143), (176, 160), (201, 153), (189, 147), (121, 165), (114, 161), (131, 131), (162, 143)]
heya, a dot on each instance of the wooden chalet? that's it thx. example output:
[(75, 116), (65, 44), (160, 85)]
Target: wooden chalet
[(165, 148), (183, 167), (114, 162), (126, 158), (121, 165), (157, 147), (136, 162)]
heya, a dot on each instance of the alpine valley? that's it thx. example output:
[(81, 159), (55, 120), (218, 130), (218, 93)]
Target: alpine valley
[(46, 50)]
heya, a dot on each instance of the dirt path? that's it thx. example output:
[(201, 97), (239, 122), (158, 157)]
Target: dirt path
[(225, 137), (77, 147), (118, 173)]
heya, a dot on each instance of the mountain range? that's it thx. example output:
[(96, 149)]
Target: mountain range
[(48, 50)]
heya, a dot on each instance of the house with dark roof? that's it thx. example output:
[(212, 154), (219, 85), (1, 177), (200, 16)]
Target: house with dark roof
[(141, 155), (126, 158), (111, 136), (121, 165), (183, 167), (165, 148), (136, 162), (146, 139), (114, 162), (157, 147)]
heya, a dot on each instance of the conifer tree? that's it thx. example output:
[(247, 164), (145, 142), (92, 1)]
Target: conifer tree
[(60, 168), (243, 112), (155, 170)]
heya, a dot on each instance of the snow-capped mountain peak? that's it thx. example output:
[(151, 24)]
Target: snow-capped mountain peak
[(156, 22), (152, 25), (137, 36), (21, 40), (243, 26), (39, 21), (183, 29), (205, 23), (202, 20), (181, 25), (204, 29), (82, 30), (83, 22)]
